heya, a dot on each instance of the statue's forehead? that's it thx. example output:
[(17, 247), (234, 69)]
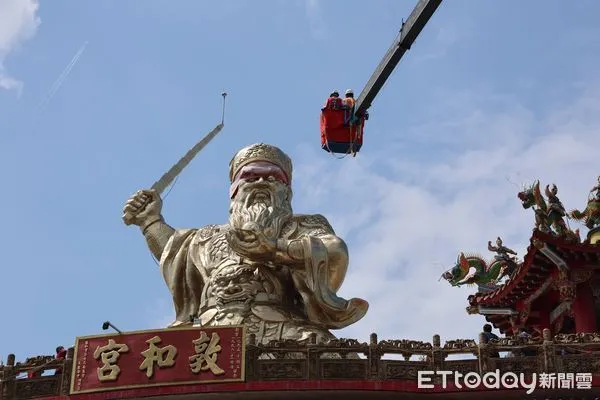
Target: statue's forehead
[(260, 165)]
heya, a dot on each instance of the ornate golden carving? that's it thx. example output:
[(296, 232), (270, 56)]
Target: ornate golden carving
[(345, 343), (566, 288), (460, 344), (286, 343), (517, 341), (577, 338), (580, 276), (32, 362), (405, 345)]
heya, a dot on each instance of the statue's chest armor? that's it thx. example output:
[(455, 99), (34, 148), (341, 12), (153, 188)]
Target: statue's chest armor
[(217, 249), (213, 246)]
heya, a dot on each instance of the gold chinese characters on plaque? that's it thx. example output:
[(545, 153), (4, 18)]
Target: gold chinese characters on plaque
[(158, 358)]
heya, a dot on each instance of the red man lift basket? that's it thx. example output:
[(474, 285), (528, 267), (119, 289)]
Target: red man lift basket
[(338, 136)]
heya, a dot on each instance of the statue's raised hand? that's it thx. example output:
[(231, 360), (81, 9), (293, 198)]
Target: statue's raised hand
[(143, 206), (251, 242)]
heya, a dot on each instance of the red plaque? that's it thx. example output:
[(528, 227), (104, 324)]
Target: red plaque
[(158, 358)]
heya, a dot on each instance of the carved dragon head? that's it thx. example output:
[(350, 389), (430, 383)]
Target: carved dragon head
[(460, 273), (530, 195), (526, 197)]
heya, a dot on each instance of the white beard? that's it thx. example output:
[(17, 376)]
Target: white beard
[(263, 205)]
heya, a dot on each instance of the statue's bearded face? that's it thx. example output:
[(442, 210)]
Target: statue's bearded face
[(261, 201)]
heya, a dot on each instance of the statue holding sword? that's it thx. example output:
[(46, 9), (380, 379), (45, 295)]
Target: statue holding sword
[(273, 271)]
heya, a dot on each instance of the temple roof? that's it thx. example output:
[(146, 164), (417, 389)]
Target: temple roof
[(535, 274), (537, 268)]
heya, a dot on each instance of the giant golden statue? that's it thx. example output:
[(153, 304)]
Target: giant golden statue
[(272, 271)]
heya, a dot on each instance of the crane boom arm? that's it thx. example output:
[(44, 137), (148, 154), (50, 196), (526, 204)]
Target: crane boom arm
[(408, 34)]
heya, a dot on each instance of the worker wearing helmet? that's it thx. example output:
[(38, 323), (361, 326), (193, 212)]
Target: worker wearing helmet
[(349, 100), (348, 103), (334, 102)]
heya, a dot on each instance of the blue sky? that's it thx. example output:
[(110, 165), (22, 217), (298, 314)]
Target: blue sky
[(490, 90)]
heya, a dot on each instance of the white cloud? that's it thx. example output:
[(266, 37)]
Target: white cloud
[(18, 23), (404, 215)]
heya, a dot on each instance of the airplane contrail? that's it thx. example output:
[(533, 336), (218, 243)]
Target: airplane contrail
[(62, 77)]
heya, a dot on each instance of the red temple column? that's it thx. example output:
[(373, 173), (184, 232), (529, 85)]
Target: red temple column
[(544, 318), (583, 309)]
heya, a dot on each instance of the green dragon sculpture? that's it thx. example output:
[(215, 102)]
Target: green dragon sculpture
[(549, 216), (591, 215), (473, 269)]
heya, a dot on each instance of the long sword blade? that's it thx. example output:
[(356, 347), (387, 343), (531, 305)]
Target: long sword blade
[(176, 169)]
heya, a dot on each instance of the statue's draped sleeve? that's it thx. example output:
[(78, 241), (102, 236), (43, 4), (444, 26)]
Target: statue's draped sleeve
[(184, 280), (320, 278)]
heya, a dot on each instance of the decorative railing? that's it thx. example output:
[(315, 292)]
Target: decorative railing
[(349, 359)]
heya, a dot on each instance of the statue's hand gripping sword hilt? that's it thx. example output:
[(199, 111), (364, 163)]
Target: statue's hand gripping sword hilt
[(136, 205)]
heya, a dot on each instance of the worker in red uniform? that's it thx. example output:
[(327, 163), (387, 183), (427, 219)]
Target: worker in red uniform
[(61, 354), (334, 102)]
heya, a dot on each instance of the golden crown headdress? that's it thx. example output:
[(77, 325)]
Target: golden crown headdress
[(260, 152)]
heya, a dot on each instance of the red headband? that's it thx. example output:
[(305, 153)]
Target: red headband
[(255, 170)]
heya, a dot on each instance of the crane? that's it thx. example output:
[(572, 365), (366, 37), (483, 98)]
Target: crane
[(342, 129)]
